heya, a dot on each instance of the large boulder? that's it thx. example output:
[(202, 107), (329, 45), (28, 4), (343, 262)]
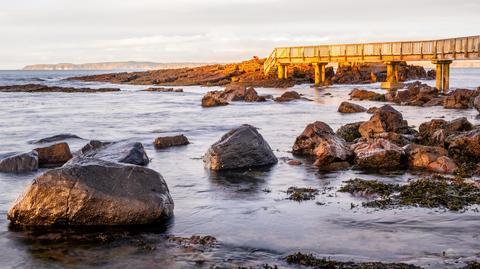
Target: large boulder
[(122, 152), (20, 163), (320, 141), (385, 119), (361, 94), (349, 132), (94, 192), (347, 107), (429, 158), (378, 153), (460, 99), (465, 147), (54, 155), (170, 141), (242, 147)]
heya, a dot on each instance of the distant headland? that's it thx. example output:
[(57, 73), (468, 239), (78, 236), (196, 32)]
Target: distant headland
[(130, 65)]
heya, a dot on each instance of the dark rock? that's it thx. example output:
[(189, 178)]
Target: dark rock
[(436, 131), (94, 192), (294, 162), (385, 119), (170, 141), (465, 147), (288, 96), (212, 99), (251, 95), (378, 153), (347, 107), (349, 132), (366, 95), (318, 140), (55, 138), (476, 103), (372, 109), (460, 99), (42, 88), (242, 147), (122, 152), (19, 163), (54, 155)]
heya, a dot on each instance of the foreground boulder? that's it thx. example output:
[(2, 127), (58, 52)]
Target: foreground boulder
[(378, 153), (460, 99), (170, 141), (122, 152), (318, 140), (54, 155), (430, 158), (94, 192), (347, 107), (19, 163), (366, 95), (242, 147), (385, 119)]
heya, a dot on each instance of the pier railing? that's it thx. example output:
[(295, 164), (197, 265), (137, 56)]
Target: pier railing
[(461, 48)]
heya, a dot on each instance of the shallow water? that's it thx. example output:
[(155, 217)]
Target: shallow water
[(252, 225)]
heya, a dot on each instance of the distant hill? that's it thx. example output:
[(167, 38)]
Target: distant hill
[(111, 66)]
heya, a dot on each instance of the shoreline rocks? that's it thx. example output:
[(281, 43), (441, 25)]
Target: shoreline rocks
[(170, 141), (19, 163), (35, 88), (161, 89), (242, 147), (231, 93)]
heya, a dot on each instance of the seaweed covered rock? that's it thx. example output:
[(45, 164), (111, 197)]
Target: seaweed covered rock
[(349, 132), (378, 153), (54, 155), (170, 141), (90, 191), (19, 163), (430, 158), (385, 119), (347, 107), (460, 99), (318, 140), (361, 94), (242, 147), (122, 152)]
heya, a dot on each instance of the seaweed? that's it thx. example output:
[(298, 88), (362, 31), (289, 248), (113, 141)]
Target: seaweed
[(369, 187), (301, 194)]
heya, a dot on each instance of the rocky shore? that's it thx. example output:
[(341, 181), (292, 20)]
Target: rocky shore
[(35, 88)]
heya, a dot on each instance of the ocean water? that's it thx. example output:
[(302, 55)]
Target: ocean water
[(252, 225)]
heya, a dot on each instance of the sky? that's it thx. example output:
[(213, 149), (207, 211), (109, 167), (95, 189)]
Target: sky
[(82, 31)]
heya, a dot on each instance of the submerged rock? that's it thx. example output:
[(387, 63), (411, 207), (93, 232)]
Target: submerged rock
[(385, 119), (318, 140), (54, 155), (55, 138), (122, 152), (347, 107), (378, 153), (301, 194), (20, 163), (288, 96), (91, 191), (170, 141), (242, 147)]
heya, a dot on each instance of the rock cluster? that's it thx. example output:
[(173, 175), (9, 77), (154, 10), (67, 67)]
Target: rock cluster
[(231, 93)]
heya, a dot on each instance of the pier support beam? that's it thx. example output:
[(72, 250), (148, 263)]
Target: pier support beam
[(319, 73), (282, 71), (393, 77), (442, 75)]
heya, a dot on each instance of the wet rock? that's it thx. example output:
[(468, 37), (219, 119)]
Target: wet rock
[(55, 138), (251, 95), (385, 119), (94, 192), (42, 88), (54, 155), (161, 89), (349, 132), (378, 153), (170, 141), (347, 107), (206, 240), (366, 95), (288, 96), (430, 158), (436, 131), (242, 147), (465, 147), (294, 162), (231, 93), (460, 99), (398, 139), (19, 163), (122, 152), (212, 99), (318, 140)]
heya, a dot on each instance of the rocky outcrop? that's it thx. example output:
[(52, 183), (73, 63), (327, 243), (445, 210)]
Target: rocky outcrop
[(288, 96), (416, 94), (378, 154), (347, 107), (19, 163), (349, 132), (55, 138), (385, 119), (54, 155), (360, 94), (242, 147), (436, 131), (319, 141), (122, 152), (460, 99), (42, 88), (231, 93), (170, 141), (94, 192), (433, 159)]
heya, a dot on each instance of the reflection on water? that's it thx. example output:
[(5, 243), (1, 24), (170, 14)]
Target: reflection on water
[(246, 211)]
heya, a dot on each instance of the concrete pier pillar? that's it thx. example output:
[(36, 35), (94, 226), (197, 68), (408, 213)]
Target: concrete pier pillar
[(442, 74), (282, 71), (393, 77), (319, 73)]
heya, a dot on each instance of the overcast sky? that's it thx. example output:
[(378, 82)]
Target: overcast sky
[(79, 31)]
